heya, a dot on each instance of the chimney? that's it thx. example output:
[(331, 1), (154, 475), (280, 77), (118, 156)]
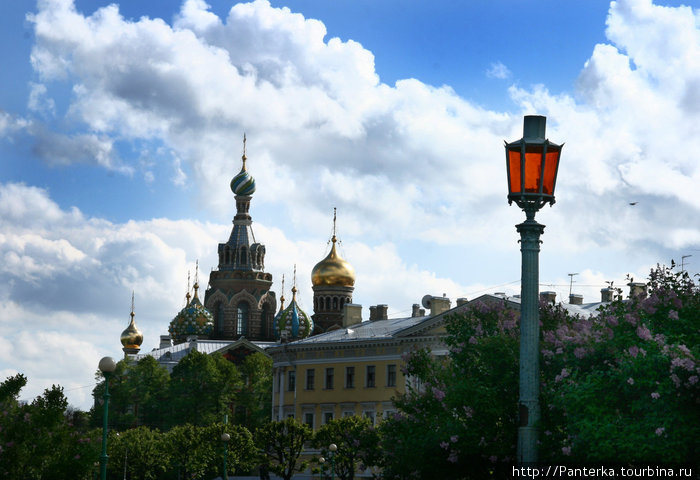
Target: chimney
[(548, 297), (165, 341), (352, 314), (192, 340), (415, 310), (382, 312), (606, 294), (575, 299), (372, 313), (637, 289), (461, 301), (421, 312), (439, 305)]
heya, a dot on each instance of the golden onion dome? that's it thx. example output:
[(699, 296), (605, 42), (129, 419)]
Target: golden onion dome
[(132, 337), (333, 270)]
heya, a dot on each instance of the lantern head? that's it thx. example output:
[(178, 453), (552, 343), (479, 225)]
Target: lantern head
[(532, 163)]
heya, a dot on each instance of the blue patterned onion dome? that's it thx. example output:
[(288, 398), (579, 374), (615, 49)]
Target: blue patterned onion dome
[(243, 183), (194, 319), (294, 321)]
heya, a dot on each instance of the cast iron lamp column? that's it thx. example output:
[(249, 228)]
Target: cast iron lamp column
[(107, 366), (332, 448), (532, 163), (225, 437)]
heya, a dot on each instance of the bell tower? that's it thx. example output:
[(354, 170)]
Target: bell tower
[(238, 295)]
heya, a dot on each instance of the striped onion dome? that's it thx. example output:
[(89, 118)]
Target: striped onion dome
[(294, 321), (194, 319)]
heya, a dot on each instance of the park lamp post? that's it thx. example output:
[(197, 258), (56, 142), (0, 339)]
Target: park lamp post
[(332, 448), (532, 164), (107, 366), (225, 437)]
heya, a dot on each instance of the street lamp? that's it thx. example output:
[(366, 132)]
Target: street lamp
[(532, 164), (332, 448), (107, 366), (225, 437)]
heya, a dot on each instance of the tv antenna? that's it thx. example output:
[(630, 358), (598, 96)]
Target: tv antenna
[(571, 282)]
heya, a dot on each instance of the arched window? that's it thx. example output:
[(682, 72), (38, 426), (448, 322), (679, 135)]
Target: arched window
[(328, 303), (265, 318), (242, 318), (335, 303), (219, 317), (342, 302)]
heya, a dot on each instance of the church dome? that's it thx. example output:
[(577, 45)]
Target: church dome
[(194, 319), (294, 321), (333, 271), (132, 337), (243, 183)]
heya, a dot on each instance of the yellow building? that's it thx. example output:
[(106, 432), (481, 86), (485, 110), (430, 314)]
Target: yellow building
[(355, 369)]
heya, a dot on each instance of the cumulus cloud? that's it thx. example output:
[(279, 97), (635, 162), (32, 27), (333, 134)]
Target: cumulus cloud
[(403, 161)]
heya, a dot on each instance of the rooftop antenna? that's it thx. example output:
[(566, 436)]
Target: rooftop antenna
[(683, 262), (571, 282)]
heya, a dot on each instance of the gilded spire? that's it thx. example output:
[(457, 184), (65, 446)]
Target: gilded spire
[(244, 158), (131, 337), (294, 285), (282, 296), (196, 280), (187, 295), (334, 218)]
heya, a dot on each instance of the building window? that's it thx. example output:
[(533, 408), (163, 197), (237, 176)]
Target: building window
[(242, 323), (309, 420), (327, 417), (370, 376), (310, 376), (348, 413), (264, 320), (349, 377), (219, 319), (369, 414), (391, 375), (291, 381), (329, 378)]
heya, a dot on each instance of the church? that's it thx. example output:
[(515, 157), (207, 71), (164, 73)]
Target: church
[(238, 314)]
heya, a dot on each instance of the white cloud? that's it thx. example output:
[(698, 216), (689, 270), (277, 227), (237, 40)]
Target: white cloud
[(408, 162), (498, 70)]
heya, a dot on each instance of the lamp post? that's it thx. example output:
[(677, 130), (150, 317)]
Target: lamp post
[(225, 437), (107, 366), (332, 448), (532, 164)]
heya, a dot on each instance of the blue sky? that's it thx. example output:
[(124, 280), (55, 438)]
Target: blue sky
[(121, 126)]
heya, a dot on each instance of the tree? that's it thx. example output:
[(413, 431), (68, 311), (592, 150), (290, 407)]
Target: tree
[(621, 386), (38, 440), (202, 388), (357, 441), (255, 397), (138, 395), (624, 386), (281, 444), (141, 451)]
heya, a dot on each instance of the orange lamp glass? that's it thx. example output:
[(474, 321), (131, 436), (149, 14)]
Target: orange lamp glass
[(532, 163)]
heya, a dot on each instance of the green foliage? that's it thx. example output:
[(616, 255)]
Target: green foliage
[(624, 386), (38, 440), (357, 441), (255, 396), (619, 387), (281, 444), (201, 389), (468, 399), (141, 450)]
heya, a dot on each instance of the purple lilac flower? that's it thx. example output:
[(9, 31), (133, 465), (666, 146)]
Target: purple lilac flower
[(673, 315), (579, 352), (655, 395), (438, 394), (633, 350), (472, 340), (693, 379), (659, 431), (566, 450), (630, 381), (444, 445), (453, 457), (643, 332), (454, 438)]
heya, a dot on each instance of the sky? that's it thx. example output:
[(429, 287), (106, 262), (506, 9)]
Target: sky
[(121, 125)]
